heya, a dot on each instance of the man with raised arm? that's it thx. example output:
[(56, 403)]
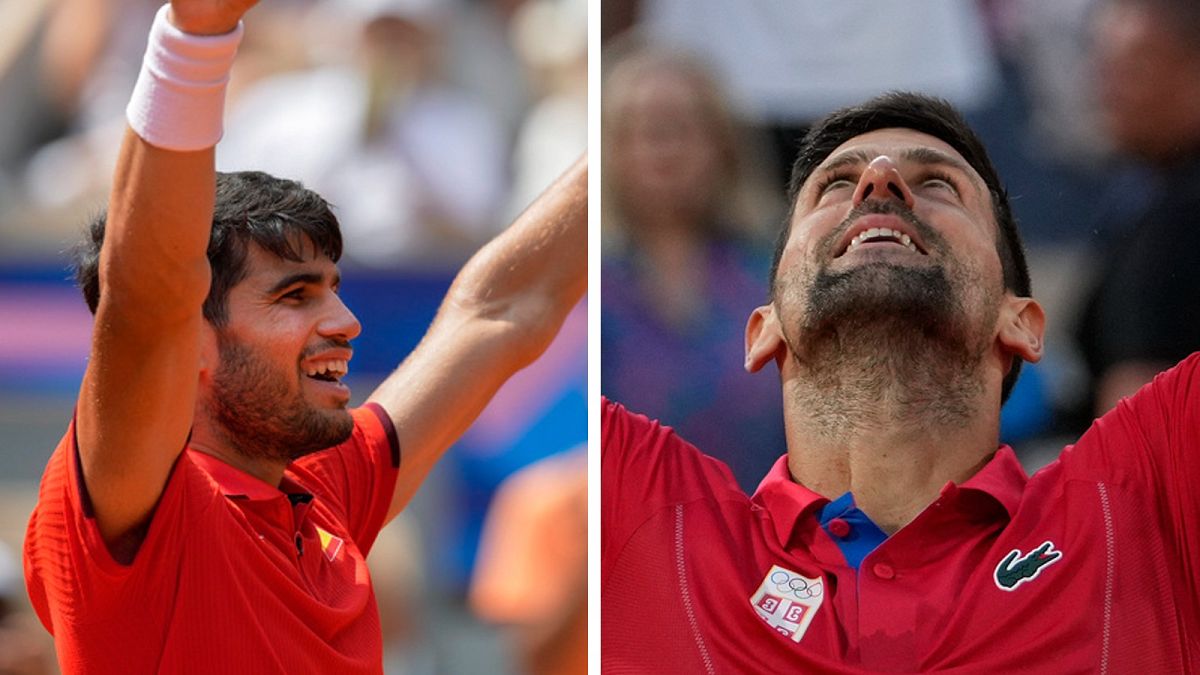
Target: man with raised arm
[(896, 534), (211, 505)]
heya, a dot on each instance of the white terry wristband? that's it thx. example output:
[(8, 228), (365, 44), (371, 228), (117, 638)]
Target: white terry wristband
[(179, 100)]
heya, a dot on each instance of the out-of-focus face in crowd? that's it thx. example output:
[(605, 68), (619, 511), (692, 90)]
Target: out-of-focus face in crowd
[(1147, 60), (671, 144)]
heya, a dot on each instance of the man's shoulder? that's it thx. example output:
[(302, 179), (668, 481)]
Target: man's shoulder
[(1143, 431), (1171, 396), (644, 456), (63, 483), (623, 431)]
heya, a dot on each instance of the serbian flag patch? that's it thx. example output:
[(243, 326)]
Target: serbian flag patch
[(331, 545), (787, 601)]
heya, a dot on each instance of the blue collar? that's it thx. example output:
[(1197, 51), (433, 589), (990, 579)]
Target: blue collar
[(851, 529)]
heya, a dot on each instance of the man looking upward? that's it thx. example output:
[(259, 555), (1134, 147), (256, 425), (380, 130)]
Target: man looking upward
[(212, 503), (896, 534)]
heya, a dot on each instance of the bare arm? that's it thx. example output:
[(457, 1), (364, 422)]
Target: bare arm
[(139, 390), (501, 312)]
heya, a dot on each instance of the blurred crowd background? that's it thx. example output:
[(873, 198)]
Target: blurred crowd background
[(429, 125), (1090, 110)]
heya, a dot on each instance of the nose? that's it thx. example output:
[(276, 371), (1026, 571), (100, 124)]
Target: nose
[(881, 180), (339, 321)]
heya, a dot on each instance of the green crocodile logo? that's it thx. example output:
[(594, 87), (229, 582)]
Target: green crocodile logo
[(1017, 569)]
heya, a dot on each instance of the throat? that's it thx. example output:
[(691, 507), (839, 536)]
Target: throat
[(852, 385), (892, 478)]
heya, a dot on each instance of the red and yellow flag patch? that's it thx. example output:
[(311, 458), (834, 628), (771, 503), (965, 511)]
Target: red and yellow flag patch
[(331, 545)]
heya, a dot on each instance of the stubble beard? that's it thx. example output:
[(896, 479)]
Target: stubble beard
[(887, 344), (259, 416)]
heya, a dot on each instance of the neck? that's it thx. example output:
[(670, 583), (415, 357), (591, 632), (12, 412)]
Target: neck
[(214, 443), (888, 429)]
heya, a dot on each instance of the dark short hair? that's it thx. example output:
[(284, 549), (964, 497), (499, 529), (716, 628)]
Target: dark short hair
[(251, 207), (927, 115)]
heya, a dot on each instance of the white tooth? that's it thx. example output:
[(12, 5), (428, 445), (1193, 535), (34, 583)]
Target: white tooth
[(912, 248), (905, 239)]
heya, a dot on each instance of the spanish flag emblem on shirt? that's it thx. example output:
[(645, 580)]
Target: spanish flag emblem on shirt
[(330, 545)]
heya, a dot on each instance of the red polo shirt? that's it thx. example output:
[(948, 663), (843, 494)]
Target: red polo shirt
[(234, 575), (1090, 566)]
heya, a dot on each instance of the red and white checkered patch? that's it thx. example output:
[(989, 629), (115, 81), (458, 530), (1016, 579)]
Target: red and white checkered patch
[(787, 601)]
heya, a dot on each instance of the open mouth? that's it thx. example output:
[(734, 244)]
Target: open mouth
[(332, 370), (882, 235)]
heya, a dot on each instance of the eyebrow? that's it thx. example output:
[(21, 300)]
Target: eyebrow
[(305, 278), (919, 155)]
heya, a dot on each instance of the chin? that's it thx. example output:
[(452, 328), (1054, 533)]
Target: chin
[(878, 303), (337, 427), (303, 432)]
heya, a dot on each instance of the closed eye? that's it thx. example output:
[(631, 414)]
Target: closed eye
[(835, 180), (296, 294), (940, 181)]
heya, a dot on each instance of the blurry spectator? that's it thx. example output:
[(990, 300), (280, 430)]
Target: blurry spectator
[(413, 165), (679, 286), (90, 56), (89, 59), (1142, 315), (27, 117), (88, 62), (531, 574), (1048, 42), (551, 38), (788, 62)]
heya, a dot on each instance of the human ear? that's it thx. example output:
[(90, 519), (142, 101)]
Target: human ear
[(1022, 328), (764, 339)]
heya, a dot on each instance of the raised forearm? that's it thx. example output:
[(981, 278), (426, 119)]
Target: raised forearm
[(502, 311), (536, 270)]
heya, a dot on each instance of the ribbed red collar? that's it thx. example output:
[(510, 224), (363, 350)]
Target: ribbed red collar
[(1002, 479), (234, 482)]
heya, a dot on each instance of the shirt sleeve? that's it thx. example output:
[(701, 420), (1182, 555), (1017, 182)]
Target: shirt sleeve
[(72, 578), (645, 467), (1151, 440), (357, 477)]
